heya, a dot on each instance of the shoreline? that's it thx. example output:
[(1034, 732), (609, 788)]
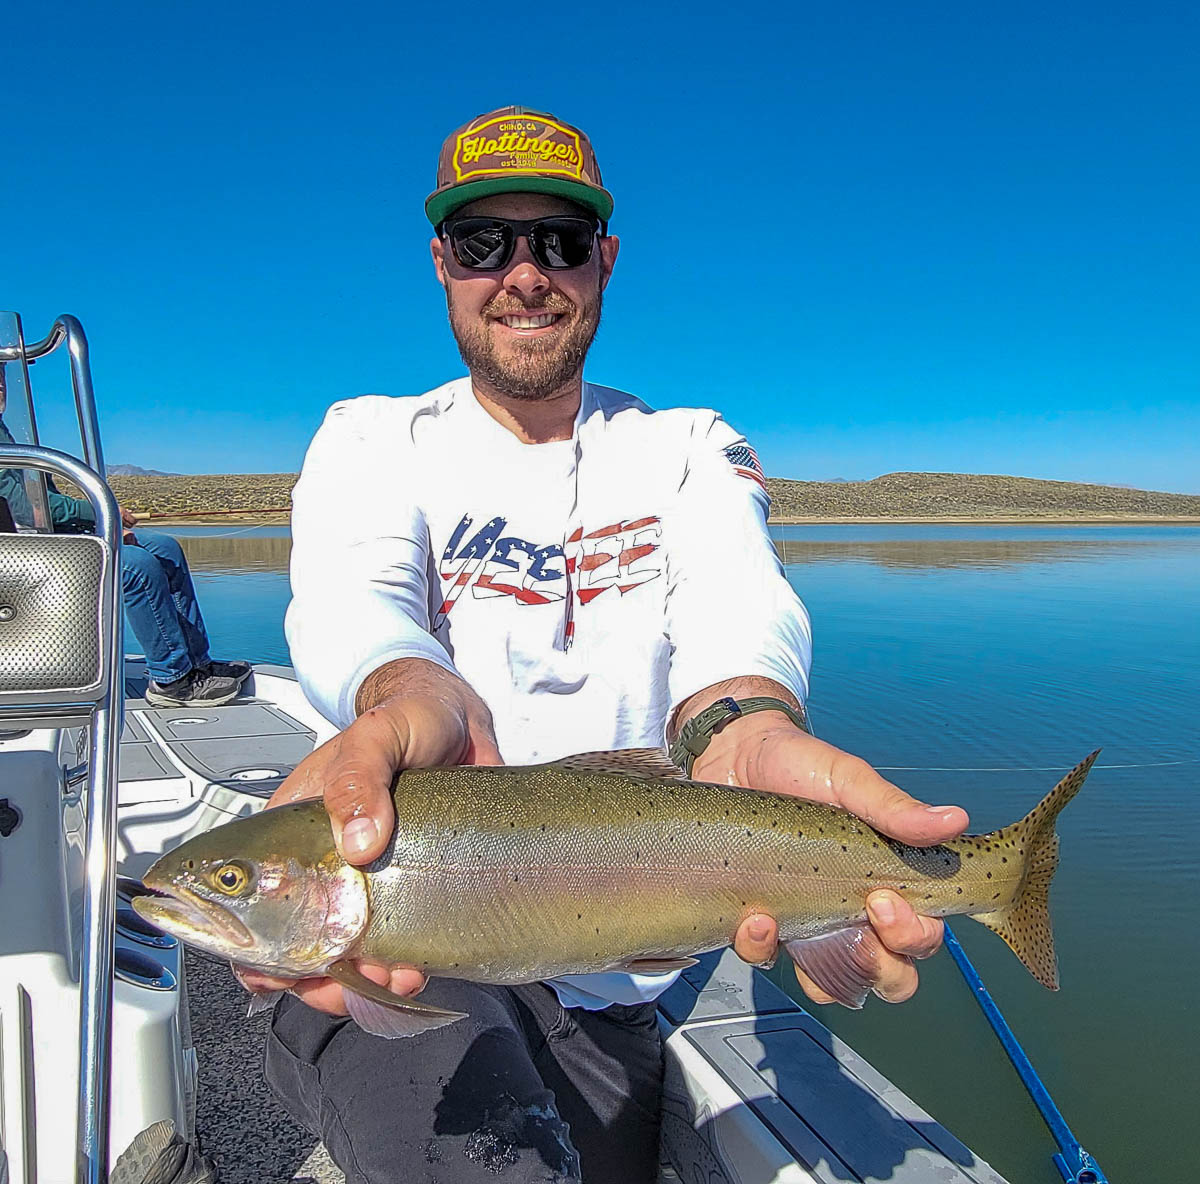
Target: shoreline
[(995, 520), (280, 519)]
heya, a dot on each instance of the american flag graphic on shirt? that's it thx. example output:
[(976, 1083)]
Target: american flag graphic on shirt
[(745, 463)]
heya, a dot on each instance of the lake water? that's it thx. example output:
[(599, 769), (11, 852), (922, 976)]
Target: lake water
[(976, 665)]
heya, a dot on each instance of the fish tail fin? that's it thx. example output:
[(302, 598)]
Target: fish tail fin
[(1024, 924)]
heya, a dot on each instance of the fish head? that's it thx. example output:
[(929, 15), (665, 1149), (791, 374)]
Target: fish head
[(270, 892)]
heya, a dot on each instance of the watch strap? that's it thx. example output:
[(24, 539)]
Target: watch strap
[(695, 735)]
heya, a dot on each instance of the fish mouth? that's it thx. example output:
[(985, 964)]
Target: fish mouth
[(192, 918)]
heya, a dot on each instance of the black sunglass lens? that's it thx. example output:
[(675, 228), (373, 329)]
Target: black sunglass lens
[(563, 242), (482, 245)]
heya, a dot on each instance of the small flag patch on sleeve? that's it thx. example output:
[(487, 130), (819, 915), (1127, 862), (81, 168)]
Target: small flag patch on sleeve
[(745, 462)]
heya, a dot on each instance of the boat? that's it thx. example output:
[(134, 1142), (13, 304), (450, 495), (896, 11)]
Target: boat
[(95, 1058), (757, 1091)]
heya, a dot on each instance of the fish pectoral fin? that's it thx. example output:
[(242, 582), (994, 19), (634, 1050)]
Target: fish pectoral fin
[(842, 963), (377, 1010), (628, 762), (664, 965), (262, 1001)]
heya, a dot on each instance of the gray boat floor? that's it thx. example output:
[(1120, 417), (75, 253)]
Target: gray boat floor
[(239, 1124)]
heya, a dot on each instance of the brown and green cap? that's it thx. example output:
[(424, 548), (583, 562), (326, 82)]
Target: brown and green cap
[(515, 150)]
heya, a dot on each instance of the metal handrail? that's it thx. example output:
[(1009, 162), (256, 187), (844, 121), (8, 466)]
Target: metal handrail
[(67, 328), (107, 713)]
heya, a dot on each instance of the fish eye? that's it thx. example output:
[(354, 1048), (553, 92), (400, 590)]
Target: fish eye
[(231, 878)]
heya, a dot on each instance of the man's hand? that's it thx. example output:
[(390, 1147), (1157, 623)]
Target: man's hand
[(413, 714), (767, 751), (128, 519)]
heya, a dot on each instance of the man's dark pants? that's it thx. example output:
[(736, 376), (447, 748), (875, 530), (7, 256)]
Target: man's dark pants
[(523, 1088)]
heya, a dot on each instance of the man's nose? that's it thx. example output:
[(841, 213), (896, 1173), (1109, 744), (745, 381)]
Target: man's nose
[(525, 279)]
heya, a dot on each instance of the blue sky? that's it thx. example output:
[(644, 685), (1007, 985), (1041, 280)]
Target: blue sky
[(876, 236)]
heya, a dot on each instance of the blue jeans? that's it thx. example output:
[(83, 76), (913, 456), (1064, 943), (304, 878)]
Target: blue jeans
[(161, 606)]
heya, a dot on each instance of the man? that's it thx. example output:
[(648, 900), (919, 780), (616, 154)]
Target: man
[(537, 566), (159, 597)]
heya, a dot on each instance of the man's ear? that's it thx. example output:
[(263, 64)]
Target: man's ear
[(609, 246), (438, 250)]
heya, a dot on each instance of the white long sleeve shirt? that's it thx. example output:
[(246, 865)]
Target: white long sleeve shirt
[(583, 588)]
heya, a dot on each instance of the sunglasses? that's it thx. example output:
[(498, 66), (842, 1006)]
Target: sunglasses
[(487, 244)]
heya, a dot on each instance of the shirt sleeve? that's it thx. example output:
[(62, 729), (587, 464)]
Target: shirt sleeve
[(70, 515), (359, 566), (730, 611)]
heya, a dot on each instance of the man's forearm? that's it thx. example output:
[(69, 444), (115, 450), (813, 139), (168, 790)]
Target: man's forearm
[(415, 678), (732, 749), (407, 677)]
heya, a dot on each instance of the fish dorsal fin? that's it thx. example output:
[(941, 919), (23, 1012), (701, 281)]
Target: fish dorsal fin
[(627, 762)]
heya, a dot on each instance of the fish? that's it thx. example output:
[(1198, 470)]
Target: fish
[(608, 861)]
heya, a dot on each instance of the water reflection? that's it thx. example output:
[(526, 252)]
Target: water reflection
[(930, 553), (260, 548), (268, 548)]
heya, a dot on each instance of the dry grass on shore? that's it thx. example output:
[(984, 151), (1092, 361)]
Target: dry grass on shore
[(896, 496)]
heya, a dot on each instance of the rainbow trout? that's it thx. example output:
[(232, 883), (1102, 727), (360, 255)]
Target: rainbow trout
[(600, 862)]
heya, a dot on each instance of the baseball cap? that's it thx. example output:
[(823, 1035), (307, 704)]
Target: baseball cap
[(516, 150)]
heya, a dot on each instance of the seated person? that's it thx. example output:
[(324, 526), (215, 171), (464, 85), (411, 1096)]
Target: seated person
[(160, 600)]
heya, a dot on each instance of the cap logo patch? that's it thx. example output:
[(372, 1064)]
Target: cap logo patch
[(516, 144)]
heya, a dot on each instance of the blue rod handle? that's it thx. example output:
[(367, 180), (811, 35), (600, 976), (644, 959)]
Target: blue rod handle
[(1075, 1165)]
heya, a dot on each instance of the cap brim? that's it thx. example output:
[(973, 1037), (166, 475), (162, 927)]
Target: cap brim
[(442, 203)]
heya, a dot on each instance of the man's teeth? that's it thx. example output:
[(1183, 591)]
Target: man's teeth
[(538, 322)]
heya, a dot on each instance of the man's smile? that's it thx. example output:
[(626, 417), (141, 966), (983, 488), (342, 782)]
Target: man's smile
[(531, 323)]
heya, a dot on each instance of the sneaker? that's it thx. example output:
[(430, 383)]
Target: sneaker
[(196, 688), (235, 670)]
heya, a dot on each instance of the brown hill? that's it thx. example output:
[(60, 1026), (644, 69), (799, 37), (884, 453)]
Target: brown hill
[(896, 495), (236, 494), (971, 495)]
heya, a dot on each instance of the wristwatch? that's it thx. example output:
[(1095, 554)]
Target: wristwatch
[(694, 736)]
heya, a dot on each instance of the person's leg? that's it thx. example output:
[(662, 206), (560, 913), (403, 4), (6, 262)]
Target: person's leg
[(183, 593), (459, 1105), (606, 1070), (150, 609)]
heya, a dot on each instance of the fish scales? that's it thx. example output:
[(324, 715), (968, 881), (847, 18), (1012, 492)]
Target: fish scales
[(484, 877)]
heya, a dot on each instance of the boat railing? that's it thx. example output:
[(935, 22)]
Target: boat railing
[(61, 663)]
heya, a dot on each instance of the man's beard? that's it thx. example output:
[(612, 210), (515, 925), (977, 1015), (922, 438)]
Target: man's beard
[(535, 368)]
